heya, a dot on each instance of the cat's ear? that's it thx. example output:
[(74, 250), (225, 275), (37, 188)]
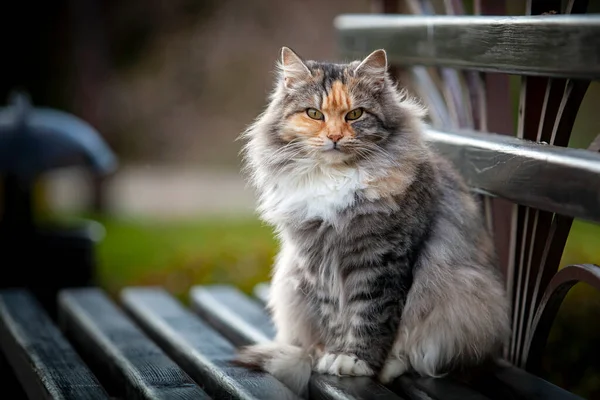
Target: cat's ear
[(374, 65), (293, 67)]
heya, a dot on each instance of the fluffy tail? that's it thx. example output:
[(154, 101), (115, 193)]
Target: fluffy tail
[(291, 365)]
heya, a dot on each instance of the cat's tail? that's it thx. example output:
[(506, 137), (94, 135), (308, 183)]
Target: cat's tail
[(292, 365)]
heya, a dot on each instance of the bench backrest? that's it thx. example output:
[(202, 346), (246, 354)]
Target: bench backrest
[(531, 185)]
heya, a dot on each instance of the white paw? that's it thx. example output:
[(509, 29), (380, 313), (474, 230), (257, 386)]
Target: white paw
[(325, 362), (393, 368), (342, 364)]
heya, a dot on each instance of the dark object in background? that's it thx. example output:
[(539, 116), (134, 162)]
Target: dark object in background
[(33, 141)]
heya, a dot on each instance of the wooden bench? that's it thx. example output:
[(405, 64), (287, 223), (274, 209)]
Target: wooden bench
[(148, 345)]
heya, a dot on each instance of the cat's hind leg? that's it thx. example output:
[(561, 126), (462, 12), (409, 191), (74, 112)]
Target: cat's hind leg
[(459, 322)]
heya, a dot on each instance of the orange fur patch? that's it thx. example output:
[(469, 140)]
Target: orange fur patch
[(337, 100), (302, 125), (336, 105)]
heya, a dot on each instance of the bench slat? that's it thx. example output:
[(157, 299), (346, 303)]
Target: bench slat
[(129, 363), (199, 349), (255, 326), (236, 316), (555, 45), (41, 358), (525, 172)]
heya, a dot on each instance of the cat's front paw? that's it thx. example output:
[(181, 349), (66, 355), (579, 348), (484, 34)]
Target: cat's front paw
[(342, 364)]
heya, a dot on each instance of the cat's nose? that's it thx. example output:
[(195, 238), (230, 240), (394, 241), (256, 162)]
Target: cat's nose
[(335, 137)]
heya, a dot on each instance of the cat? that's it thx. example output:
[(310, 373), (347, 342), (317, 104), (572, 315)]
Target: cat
[(385, 266)]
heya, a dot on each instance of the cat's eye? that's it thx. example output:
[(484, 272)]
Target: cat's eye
[(314, 113), (354, 114)]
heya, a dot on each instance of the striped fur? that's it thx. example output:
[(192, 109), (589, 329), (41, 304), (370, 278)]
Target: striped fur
[(385, 264)]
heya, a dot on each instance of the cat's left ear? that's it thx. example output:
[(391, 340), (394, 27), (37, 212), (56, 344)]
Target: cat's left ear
[(374, 65), (294, 69)]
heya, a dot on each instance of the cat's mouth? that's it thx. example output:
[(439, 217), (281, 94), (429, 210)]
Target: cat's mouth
[(334, 148), (335, 154)]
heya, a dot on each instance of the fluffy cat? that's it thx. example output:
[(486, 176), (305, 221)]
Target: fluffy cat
[(385, 264)]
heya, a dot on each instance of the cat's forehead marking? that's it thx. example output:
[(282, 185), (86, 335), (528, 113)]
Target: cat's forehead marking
[(337, 97)]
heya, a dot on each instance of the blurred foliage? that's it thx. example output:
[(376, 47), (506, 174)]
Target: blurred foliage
[(132, 27)]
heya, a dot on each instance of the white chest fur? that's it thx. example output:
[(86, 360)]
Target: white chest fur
[(318, 193)]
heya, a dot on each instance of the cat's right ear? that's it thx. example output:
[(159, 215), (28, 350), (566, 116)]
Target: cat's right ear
[(293, 68), (374, 66)]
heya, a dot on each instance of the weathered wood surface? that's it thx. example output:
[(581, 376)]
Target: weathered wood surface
[(525, 172), (550, 45), (235, 315), (201, 351), (128, 363), (44, 362)]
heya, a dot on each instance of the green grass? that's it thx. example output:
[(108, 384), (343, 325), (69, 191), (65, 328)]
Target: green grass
[(237, 251), (583, 245), (179, 254)]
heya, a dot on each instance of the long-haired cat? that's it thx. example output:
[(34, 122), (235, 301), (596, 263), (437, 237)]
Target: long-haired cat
[(385, 263)]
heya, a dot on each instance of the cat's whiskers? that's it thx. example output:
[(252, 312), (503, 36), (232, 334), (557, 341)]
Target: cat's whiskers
[(372, 153), (290, 145), (287, 152)]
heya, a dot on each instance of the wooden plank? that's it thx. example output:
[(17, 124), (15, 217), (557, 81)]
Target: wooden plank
[(549, 45), (551, 178), (244, 321), (201, 351), (256, 325), (125, 359), (44, 362)]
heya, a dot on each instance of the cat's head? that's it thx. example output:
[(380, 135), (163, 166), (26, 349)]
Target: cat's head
[(332, 114)]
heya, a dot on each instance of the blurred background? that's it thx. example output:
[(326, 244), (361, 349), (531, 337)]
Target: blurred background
[(170, 85)]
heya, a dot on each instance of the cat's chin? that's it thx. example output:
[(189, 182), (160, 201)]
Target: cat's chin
[(335, 156)]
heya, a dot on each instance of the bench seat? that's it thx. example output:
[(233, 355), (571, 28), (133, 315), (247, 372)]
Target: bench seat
[(148, 345)]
